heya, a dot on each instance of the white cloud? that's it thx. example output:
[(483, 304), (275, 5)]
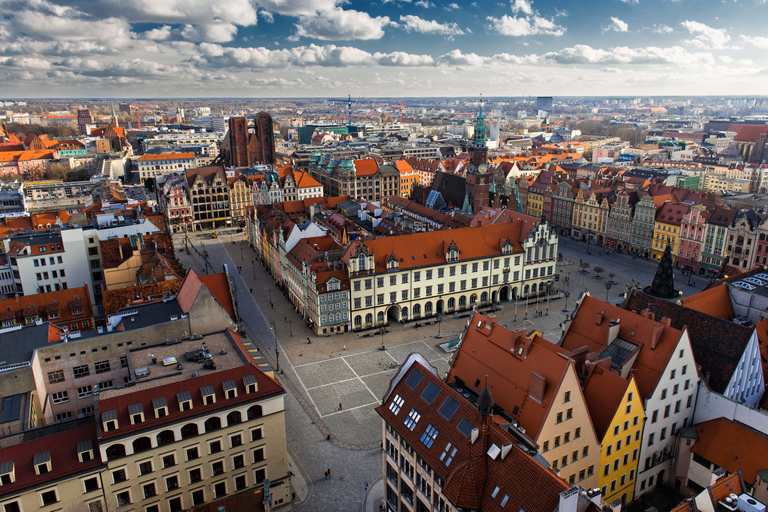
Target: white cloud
[(633, 1), (213, 33), (425, 4), (662, 29), (452, 7), (706, 36), (528, 26), (616, 25), (417, 24), (403, 59), (584, 54), (340, 24), (758, 41), (457, 58), (523, 6)]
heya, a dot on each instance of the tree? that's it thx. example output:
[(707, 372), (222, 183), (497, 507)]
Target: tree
[(584, 266), (611, 275), (598, 271)]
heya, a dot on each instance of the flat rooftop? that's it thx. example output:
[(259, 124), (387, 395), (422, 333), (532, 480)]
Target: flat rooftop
[(18, 344), (171, 361)]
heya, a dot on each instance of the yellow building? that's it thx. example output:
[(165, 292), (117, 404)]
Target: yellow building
[(617, 414), (409, 178), (666, 229), (241, 198), (590, 215)]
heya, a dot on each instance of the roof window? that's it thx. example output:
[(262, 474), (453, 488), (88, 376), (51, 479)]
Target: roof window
[(185, 400), (230, 389), (85, 450), (7, 473), (160, 406), (42, 463), (136, 412), (250, 384), (109, 420), (208, 394)]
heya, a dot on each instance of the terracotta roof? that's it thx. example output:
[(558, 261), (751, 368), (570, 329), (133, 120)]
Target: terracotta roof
[(672, 213), (715, 301), (304, 180), (590, 327), (61, 302), (718, 344), (489, 349), (219, 287), (266, 387), (725, 486), (404, 167), (733, 447), (64, 460), (429, 248), (747, 132), (367, 167), (114, 300), (603, 393), (471, 474), (206, 173)]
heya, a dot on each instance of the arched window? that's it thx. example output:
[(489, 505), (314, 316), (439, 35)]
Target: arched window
[(115, 451), (254, 412), (165, 437), (525, 290), (462, 301), (142, 444), (484, 297), (212, 423), (358, 320), (473, 298), (404, 314), (416, 309), (369, 318), (234, 418), (428, 308), (189, 430), (380, 316), (361, 262), (451, 303)]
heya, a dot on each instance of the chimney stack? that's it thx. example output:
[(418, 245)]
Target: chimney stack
[(656, 335), (537, 387)]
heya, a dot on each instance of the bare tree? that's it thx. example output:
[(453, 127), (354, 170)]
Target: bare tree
[(598, 271)]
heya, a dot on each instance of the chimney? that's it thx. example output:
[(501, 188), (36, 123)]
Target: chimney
[(569, 500), (613, 330), (537, 387), (656, 335), (647, 313), (666, 321), (598, 319), (473, 435)]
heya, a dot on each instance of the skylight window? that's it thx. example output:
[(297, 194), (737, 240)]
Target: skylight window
[(495, 492), (414, 379), (504, 501), (429, 435), (430, 392), (448, 454), (396, 404), (449, 407), (465, 427), (412, 419)]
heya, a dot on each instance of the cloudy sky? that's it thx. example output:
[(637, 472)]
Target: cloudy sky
[(316, 48)]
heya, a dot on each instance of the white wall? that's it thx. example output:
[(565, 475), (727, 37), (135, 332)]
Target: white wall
[(711, 405)]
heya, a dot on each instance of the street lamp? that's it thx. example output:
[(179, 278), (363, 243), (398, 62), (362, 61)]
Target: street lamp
[(607, 289), (241, 254), (439, 323), (290, 327), (549, 291), (254, 269), (567, 294), (270, 297)]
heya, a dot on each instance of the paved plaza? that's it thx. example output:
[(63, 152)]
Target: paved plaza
[(352, 369)]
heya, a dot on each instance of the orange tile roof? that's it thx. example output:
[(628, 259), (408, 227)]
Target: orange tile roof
[(167, 156), (733, 447), (586, 331), (429, 248), (404, 167), (304, 180), (725, 486), (23, 156), (715, 301), (488, 349), (219, 287), (366, 167), (603, 392)]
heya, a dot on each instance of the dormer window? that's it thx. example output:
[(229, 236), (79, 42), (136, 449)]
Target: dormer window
[(7, 473), (361, 263), (42, 463), (136, 412), (250, 384), (185, 401), (160, 406), (109, 420), (85, 450), (209, 395), (230, 389)]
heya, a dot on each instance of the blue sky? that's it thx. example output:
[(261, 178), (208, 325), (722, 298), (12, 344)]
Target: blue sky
[(316, 48)]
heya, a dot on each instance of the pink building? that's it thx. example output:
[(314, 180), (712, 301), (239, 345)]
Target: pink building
[(692, 235)]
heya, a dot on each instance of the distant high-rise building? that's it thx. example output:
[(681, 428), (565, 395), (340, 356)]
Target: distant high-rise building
[(544, 103)]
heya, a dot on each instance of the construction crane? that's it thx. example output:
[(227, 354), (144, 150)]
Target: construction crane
[(400, 108), (349, 106)]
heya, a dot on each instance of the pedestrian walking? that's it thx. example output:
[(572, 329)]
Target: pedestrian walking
[(325, 474), (286, 319), (329, 472), (340, 406), (309, 342)]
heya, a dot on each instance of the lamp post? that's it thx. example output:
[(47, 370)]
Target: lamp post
[(382, 330), (567, 294), (517, 301), (290, 327), (254, 268), (270, 297), (439, 323), (549, 290), (607, 289), (241, 254)]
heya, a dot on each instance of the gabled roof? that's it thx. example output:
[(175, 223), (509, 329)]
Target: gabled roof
[(718, 345), (219, 287), (733, 447), (715, 301), (471, 474), (366, 167), (672, 213), (603, 393), (304, 180), (725, 486), (489, 350), (590, 328)]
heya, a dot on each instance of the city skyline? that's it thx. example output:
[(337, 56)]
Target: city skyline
[(321, 48)]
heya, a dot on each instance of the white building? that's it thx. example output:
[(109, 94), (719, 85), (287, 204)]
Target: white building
[(150, 166)]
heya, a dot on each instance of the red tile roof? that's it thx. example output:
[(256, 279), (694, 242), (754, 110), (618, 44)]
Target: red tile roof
[(733, 447), (64, 458), (218, 285), (367, 167), (603, 392), (590, 328), (725, 486), (672, 213), (266, 387), (489, 350), (715, 301)]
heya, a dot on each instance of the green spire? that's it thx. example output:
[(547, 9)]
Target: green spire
[(480, 127)]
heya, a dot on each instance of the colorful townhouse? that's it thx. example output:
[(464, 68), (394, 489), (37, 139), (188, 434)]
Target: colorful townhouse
[(666, 229)]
